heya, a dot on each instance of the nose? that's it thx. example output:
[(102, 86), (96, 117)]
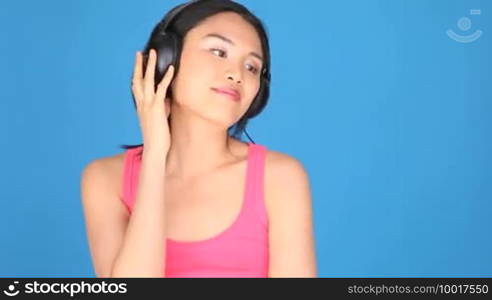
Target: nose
[(230, 77), (234, 76)]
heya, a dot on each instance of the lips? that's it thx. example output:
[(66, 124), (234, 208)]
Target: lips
[(232, 93)]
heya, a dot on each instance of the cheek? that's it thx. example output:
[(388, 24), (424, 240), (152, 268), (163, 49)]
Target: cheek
[(192, 79), (251, 95), (254, 89), (199, 68)]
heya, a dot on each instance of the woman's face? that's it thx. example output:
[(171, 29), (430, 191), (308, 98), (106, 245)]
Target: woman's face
[(208, 61)]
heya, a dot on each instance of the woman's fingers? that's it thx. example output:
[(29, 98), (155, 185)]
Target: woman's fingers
[(144, 88), (149, 89), (137, 79), (164, 84)]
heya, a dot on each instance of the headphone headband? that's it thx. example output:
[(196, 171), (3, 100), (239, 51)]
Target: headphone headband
[(175, 12)]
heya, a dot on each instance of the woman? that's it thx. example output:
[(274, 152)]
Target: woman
[(195, 201)]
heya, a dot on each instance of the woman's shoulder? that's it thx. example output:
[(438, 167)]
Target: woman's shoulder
[(109, 164), (283, 165), (108, 169), (279, 166), (286, 183)]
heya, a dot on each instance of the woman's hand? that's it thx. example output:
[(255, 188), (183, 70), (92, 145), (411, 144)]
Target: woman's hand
[(153, 110)]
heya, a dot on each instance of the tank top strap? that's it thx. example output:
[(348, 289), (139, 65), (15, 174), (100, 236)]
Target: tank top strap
[(255, 206), (130, 176)]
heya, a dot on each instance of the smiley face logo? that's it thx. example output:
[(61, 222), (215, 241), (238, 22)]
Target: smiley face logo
[(464, 24), (11, 290)]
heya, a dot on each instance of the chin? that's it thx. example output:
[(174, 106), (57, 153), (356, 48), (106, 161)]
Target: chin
[(222, 118)]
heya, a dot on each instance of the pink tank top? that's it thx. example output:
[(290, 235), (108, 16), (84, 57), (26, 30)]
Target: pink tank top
[(239, 251)]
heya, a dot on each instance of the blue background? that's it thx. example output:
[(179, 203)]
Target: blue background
[(390, 117)]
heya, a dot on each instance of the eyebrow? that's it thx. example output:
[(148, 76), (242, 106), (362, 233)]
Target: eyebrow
[(216, 35)]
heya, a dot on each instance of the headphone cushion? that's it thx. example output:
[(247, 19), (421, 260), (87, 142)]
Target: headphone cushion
[(168, 46)]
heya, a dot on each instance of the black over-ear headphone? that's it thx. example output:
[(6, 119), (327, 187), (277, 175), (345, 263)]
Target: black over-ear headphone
[(169, 45)]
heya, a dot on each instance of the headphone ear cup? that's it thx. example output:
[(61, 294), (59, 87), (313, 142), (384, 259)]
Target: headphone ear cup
[(168, 47)]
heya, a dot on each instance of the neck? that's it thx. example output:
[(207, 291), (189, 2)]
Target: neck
[(198, 147)]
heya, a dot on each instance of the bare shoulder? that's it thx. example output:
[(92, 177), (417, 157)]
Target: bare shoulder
[(281, 168), (107, 169), (106, 218), (290, 219), (284, 175)]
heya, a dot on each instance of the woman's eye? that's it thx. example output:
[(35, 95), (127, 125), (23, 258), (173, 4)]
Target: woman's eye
[(253, 69), (220, 51)]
